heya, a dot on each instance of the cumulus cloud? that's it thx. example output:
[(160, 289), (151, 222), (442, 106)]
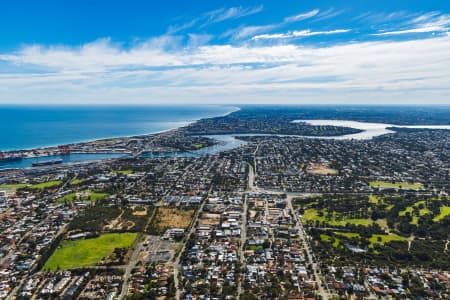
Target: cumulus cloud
[(152, 72)]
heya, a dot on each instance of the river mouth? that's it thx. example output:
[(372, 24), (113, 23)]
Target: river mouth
[(228, 142)]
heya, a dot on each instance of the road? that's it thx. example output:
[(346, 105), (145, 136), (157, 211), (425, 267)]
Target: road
[(244, 231), (310, 255), (325, 294), (129, 268), (176, 264)]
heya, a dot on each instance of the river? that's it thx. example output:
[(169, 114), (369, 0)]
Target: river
[(230, 141)]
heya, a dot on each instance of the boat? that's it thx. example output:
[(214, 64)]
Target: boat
[(47, 162), (10, 158)]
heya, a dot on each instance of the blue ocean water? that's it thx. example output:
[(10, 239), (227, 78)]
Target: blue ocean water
[(25, 127)]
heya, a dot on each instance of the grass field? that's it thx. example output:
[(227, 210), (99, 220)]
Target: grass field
[(382, 239), (77, 181), (123, 172), (312, 215), (374, 199), (199, 146), (410, 209), (89, 252), (445, 211), (348, 235), (375, 239), (397, 185), (46, 185), (82, 196), (325, 237), (12, 186)]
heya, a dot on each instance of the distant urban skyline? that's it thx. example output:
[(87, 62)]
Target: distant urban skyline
[(234, 52)]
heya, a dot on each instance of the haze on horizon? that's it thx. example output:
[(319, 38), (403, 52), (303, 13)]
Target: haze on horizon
[(272, 52)]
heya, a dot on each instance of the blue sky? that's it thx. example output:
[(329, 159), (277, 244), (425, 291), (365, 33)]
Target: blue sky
[(146, 52)]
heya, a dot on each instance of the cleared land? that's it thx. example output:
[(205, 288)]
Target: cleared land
[(320, 169), (396, 185), (174, 217), (89, 252), (168, 217)]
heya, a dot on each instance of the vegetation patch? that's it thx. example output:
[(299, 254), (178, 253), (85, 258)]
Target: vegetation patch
[(396, 185), (392, 219), (313, 214), (13, 186), (123, 172), (325, 237), (46, 185), (77, 181), (382, 239), (88, 252), (94, 218), (111, 219), (374, 199), (199, 146), (445, 211), (348, 235), (416, 210)]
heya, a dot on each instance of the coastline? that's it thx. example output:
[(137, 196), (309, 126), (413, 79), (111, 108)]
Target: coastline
[(111, 138)]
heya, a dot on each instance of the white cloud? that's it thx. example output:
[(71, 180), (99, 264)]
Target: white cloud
[(149, 72), (215, 16), (248, 31), (196, 40), (233, 13), (302, 16), (430, 22), (298, 34), (328, 14)]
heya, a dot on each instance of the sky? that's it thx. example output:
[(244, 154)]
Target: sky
[(225, 52)]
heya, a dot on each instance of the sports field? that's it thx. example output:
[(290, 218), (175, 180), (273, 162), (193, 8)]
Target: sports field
[(82, 196), (88, 252)]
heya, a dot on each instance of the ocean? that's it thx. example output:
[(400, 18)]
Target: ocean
[(25, 127)]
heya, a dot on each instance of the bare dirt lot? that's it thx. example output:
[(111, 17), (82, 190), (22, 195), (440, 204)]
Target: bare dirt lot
[(320, 169), (170, 217)]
